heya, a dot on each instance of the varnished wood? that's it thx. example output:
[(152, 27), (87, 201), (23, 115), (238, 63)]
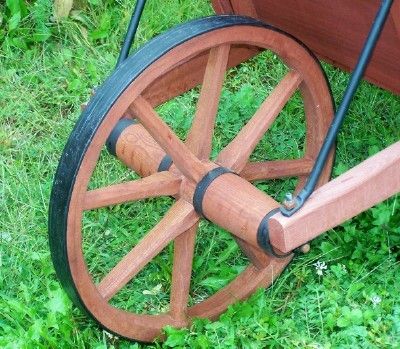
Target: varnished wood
[(246, 7), (181, 273), (396, 18), (237, 206), (256, 256), (178, 219), (336, 31), (365, 185), (199, 139), (240, 288), (189, 74), (222, 6), (276, 169), (158, 184), (236, 153), (138, 150), (183, 158)]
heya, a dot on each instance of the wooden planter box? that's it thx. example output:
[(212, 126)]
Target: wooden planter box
[(334, 29)]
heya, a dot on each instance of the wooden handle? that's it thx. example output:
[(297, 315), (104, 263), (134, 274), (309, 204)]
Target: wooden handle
[(360, 188)]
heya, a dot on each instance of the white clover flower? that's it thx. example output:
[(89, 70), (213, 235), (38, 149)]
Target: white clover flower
[(5, 236), (376, 300), (320, 267)]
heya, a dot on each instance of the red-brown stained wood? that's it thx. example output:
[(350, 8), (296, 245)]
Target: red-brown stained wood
[(181, 273), (256, 255), (244, 7), (396, 18), (183, 158), (240, 288), (336, 30), (199, 139), (237, 152), (222, 6), (138, 150), (276, 169), (158, 184), (178, 219), (237, 206), (189, 74), (358, 189)]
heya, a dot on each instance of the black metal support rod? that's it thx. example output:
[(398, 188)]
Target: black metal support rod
[(337, 122), (132, 28)]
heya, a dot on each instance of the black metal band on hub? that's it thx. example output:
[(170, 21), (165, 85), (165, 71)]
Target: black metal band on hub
[(203, 185), (165, 163), (112, 139), (263, 236)]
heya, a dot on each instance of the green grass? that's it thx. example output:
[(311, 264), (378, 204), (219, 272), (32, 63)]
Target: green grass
[(47, 70)]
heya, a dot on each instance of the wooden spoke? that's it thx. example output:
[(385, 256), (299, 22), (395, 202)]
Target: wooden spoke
[(255, 255), (277, 169), (181, 273), (200, 136), (178, 219), (183, 158), (236, 153), (158, 184)]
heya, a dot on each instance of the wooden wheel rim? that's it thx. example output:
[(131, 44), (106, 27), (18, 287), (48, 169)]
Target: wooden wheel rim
[(65, 216)]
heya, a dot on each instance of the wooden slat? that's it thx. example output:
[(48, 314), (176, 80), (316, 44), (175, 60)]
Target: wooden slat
[(336, 30), (237, 152), (365, 185), (395, 12), (178, 219), (199, 139), (222, 6), (158, 184), (183, 158), (276, 169), (244, 7)]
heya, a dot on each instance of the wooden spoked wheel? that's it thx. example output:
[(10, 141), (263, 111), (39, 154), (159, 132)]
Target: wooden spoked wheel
[(197, 52)]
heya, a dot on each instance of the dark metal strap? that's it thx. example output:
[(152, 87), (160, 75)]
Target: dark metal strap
[(165, 163), (116, 132), (203, 185), (263, 236)]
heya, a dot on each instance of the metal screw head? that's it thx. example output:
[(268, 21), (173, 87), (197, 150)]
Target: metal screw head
[(288, 197), (305, 248), (289, 202)]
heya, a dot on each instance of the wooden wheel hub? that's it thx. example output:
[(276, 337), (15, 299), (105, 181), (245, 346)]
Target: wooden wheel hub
[(198, 53), (222, 197)]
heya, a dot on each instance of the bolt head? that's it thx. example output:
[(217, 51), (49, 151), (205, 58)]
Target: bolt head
[(288, 197), (289, 202), (305, 248)]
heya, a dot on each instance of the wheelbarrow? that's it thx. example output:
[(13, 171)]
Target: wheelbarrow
[(123, 116)]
